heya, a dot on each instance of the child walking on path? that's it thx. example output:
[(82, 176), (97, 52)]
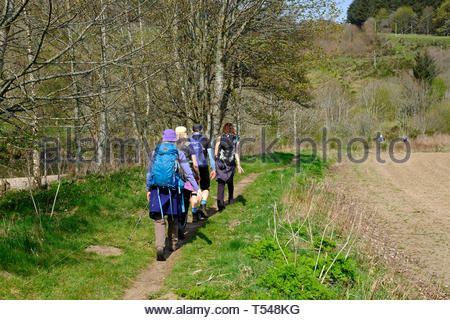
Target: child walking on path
[(166, 168)]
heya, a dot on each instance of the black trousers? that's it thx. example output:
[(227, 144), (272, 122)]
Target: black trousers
[(182, 217), (221, 191)]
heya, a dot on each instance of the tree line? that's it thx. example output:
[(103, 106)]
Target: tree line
[(130, 68), (403, 16)]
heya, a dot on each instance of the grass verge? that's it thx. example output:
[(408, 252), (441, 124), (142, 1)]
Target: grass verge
[(275, 244), (44, 256)]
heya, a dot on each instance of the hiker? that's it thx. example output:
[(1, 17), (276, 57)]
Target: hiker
[(226, 159), (166, 170), (405, 138), (380, 138), (201, 147), (190, 196)]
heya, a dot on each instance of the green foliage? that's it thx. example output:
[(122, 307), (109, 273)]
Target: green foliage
[(425, 68), (438, 88), (293, 282), (311, 166), (46, 254), (383, 13), (405, 19), (360, 10), (414, 133), (202, 293), (264, 249), (343, 269), (440, 114), (277, 67), (441, 21), (324, 245), (300, 280)]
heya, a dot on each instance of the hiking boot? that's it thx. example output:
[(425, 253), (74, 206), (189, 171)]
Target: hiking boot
[(203, 215), (181, 235), (160, 254), (195, 217), (220, 206)]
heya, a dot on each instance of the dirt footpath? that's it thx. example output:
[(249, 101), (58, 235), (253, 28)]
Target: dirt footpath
[(152, 279), (412, 205)]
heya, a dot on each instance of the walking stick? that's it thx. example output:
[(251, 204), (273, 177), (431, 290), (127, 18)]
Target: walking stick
[(139, 221)]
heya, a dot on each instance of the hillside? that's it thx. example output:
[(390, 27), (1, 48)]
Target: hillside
[(360, 10)]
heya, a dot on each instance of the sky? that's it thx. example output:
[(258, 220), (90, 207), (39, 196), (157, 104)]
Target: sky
[(343, 6)]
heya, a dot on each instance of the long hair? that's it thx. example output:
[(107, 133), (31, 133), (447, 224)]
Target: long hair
[(229, 128)]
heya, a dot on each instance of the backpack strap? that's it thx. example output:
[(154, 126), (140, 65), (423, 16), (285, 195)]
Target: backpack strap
[(160, 205), (170, 200), (183, 209)]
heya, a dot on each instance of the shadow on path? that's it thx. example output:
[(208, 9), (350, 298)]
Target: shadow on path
[(151, 279)]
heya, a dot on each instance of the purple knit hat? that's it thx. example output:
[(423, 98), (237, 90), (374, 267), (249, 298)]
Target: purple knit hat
[(170, 136)]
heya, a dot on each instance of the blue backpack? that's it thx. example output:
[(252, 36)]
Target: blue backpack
[(165, 171), (198, 150), (165, 167)]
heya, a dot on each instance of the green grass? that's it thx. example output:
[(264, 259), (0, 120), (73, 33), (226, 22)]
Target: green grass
[(418, 40), (235, 256), (46, 255), (395, 54), (232, 256)]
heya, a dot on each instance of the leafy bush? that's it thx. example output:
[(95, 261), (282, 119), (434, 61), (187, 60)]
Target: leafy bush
[(300, 280), (264, 249), (425, 68), (294, 282), (324, 245)]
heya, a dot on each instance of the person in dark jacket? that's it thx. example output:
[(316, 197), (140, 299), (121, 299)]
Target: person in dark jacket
[(227, 159), (201, 147), (189, 194)]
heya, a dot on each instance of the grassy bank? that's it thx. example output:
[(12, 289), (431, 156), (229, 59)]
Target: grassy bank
[(44, 256), (267, 247)]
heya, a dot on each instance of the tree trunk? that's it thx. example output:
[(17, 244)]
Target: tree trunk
[(178, 63), (148, 103), (76, 89), (36, 171), (8, 9), (220, 68), (102, 140), (135, 102)]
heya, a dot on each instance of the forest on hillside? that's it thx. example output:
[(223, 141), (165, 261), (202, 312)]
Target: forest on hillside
[(403, 16)]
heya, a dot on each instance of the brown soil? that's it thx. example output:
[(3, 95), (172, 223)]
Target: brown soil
[(104, 250), (6, 274), (412, 211)]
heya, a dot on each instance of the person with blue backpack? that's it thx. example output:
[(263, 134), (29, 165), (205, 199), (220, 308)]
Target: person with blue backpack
[(201, 147), (167, 170)]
